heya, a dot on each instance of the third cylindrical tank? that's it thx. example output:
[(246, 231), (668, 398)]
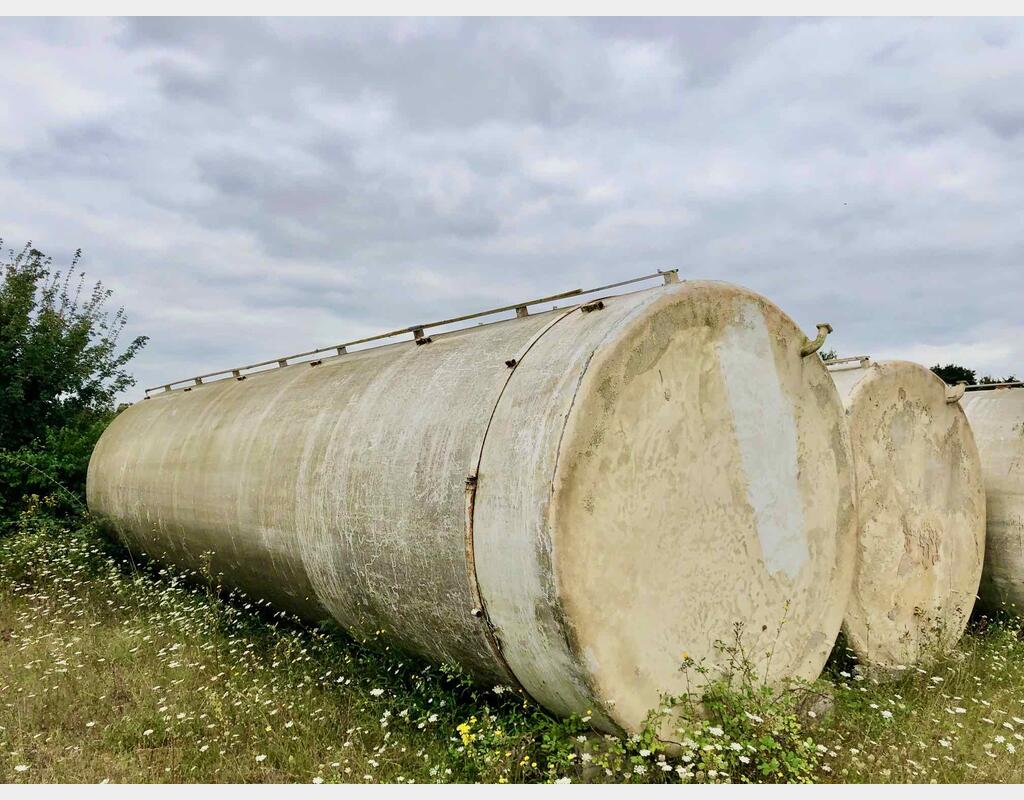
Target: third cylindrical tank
[(996, 413)]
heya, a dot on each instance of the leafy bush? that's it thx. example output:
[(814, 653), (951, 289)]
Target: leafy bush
[(732, 728), (954, 373), (742, 730), (62, 371)]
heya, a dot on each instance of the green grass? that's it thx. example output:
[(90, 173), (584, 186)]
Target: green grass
[(959, 721), (110, 672)]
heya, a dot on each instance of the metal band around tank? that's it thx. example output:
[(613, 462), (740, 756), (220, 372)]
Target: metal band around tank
[(480, 609)]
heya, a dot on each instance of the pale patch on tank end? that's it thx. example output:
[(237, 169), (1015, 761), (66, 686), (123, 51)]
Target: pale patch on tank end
[(766, 434)]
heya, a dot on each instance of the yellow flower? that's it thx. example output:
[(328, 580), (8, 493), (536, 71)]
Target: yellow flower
[(465, 731)]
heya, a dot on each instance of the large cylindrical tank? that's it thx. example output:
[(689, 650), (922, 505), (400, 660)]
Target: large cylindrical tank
[(997, 417), (567, 501), (921, 510)]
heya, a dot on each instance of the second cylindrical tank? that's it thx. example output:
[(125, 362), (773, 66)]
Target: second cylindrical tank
[(921, 511)]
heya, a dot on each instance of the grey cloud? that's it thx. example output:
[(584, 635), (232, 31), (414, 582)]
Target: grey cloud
[(1007, 124), (88, 149), (251, 187), (463, 73)]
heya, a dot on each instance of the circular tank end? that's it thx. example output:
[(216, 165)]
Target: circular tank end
[(702, 507), (921, 510)]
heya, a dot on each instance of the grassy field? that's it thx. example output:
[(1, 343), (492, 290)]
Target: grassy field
[(110, 672)]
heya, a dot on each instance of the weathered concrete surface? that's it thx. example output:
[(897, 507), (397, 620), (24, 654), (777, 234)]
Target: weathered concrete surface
[(647, 476), (921, 507), (997, 417)]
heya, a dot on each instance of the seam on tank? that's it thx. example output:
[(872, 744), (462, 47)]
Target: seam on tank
[(569, 640), (493, 643)]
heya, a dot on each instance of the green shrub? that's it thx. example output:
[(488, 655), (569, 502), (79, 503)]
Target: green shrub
[(62, 370)]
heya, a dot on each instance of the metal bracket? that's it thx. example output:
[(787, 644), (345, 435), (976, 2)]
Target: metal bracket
[(857, 361), (987, 387), (954, 393), (824, 329)]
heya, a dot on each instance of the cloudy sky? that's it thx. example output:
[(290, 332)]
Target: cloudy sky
[(251, 188)]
